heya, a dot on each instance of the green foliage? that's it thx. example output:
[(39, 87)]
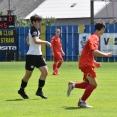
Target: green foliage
[(1, 13), (20, 22), (48, 21), (103, 99)]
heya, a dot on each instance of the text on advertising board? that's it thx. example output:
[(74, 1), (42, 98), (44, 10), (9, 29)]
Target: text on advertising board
[(7, 40)]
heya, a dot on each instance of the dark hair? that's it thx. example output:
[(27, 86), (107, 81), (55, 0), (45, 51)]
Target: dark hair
[(99, 26), (35, 18)]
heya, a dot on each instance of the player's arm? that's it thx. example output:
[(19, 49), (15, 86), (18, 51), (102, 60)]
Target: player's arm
[(27, 40), (34, 33), (62, 51), (52, 50), (101, 54), (39, 41), (97, 64), (52, 46), (94, 48)]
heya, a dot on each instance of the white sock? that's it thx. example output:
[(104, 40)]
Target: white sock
[(81, 100), (73, 84)]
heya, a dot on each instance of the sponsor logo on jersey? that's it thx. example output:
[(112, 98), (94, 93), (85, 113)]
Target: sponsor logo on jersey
[(31, 66), (35, 33)]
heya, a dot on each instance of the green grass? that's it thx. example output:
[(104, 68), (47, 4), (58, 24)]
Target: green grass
[(103, 99)]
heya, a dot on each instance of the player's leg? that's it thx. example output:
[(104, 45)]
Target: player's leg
[(58, 66), (29, 66), (41, 82), (54, 65), (92, 85), (72, 85), (59, 63), (24, 82), (41, 65), (91, 77), (81, 85)]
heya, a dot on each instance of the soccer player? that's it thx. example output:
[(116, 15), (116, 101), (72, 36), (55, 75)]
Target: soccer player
[(34, 59), (87, 64), (57, 52)]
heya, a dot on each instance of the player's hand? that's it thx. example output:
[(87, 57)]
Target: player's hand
[(52, 53), (48, 44), (109, 54), (97, 64), (63, 53)]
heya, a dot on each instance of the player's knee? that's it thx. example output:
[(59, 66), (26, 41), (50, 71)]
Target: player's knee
[(28, 75), (94, 84), (92, 80), (45, 73), (55, 62)]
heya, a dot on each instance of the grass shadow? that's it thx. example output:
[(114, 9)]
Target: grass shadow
[(20, 99), (73, 108), (34, 99), (15, 100)]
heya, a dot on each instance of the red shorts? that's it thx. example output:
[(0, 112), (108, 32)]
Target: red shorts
[(57, 58), (88, 71)]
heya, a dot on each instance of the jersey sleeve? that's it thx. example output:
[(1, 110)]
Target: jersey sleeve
[(94, 44), (34, 32)]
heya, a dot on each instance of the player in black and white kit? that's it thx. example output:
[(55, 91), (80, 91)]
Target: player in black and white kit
[(34, 59)]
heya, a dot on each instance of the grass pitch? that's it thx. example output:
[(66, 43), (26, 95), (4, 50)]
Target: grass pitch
[(103, 99)]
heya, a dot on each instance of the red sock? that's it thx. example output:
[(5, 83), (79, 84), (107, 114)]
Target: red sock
[(82, 85), (88, 91), (59, 64), (54, 67)]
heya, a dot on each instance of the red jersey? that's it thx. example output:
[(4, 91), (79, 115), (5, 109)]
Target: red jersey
[(56, 43), (87, 57)]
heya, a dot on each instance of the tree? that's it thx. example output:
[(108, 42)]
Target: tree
[(48, 21), (1, 13), (20, 22)]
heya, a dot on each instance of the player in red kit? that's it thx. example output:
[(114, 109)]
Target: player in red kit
[(57, 52), (87, 64)]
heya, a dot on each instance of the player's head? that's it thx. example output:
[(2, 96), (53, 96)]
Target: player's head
[(100, 27), (58, 32), (36, 20)]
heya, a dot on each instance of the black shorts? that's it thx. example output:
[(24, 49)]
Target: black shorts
[(33, 61)]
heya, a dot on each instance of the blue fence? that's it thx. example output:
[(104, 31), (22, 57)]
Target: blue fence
[(69, 36)]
